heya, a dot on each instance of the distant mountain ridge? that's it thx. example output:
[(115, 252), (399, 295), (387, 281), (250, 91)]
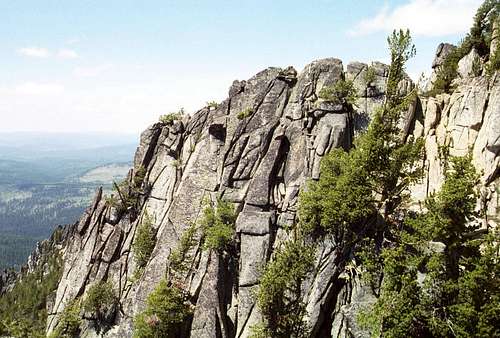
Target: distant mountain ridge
[(28, 146)]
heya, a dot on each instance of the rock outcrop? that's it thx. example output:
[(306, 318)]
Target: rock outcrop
[(467, 120), (259, 162), (257, 149)]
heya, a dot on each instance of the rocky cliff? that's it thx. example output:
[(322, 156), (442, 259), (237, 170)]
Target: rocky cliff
[(257, 149)]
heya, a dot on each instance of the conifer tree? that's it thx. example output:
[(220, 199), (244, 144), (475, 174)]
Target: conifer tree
[(373, 177), (354, 188), (441, 276)]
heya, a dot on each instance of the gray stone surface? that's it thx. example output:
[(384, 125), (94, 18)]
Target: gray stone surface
[(261, 162), (467, 65)]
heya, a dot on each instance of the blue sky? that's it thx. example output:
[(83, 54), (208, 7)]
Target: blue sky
[(73, 65)]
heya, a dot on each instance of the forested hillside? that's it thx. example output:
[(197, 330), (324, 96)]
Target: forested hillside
[(40, 185)]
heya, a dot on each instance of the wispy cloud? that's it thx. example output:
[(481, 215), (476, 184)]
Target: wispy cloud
[(35, 88), (67, 54), (40, 52), (35, 52), (92, 71), (430, 18)]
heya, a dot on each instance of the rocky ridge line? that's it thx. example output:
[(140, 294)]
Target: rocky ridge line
[(260, 163)]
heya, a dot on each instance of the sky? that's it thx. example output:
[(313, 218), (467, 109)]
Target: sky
[(115, 66)]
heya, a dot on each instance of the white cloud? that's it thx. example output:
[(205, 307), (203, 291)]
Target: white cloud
[(67, 54), (34, 88), (39, 52), (35, 52), (423, 17), (93, 71)]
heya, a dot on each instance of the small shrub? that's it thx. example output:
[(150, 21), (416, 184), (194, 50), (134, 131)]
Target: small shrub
[(218, 225), (244, 113), (494, 62), (369, 76), (128, 196), (180, 254), (166, 315), (212, 105), (170, 118), (112, 201), (342, 92), (128, 192), (144, 242), (476, 67), (218, 236), (279, 296), (69, 321), (139, 177), (177, 164), (448, 71), (100, 299), (136, 275)]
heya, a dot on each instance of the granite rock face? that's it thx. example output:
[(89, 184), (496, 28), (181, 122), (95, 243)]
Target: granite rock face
[(259, 161), (465, 121)]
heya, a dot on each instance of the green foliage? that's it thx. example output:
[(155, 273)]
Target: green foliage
[(170, 118), (179, 256), (369, 76), (219, 236), (279, 295), (129, 192), (448, 71), (28, 212), (360, 191), (23, 309), (166, 315), (476, 67), (441, 277), (23, 328), (342, 196), (112, 201), (342, 92), (127, 197), (494, 64), (212, 105), (217, 225), (177, 164), (100, 299), (145, 241), (244, 113), (374, 176), (494, 61), (69, 321), (478, 38), (481, 31), (401, 49), (369, 254), (136, 275), (140, 175)]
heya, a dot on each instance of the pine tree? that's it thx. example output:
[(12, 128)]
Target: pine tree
[(373, 177), (441, 276)]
